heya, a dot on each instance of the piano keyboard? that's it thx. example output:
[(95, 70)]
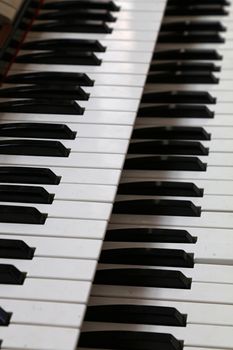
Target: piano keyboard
[(66, 122), (164, 278), (68, 104)]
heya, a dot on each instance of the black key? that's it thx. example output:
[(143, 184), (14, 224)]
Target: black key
[(9, 274), (193, 97), (143, 278), (135, 314), (15, 249), (160, 188), (152, 235), (28, 175), (175, 111), (165, 163), (187, 54), (45, 106), (201, 26), (182, 77), (21, 215), (80, 45), (88, 14), (34, 148), (82, 4), (122, 340), (157, 207), (168, 147), (4, 317), (193, 37), (25, 194), (196, 11), (171, 133), (61, 57), (55, 91), (184, 66), (50, 77), (147, 257), (72, 26), (37, 130)]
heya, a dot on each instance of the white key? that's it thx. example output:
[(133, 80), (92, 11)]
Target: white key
[(44, 313), (87, 160), (225, 20), (105, 67), (48, 290), (215, 145), (199, 292), (38, 337), (224, 86), (218, 120), (137, 25), (72, 209), (115, 92), (124, 24), (97, 145), (115, 35), (115, 80), (209, 186), (85, 175), (103, 91), (92, 145), (228, 45), (196, 312), (68, 269), (100, 133), (80, 192), (89, 117), (143, 16), (207, 219), (109, 104), (212, 173), (118, 79), (110, 56), (132, 45), (59, 247)]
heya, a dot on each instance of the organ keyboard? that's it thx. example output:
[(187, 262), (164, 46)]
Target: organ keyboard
[(116, 175)]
